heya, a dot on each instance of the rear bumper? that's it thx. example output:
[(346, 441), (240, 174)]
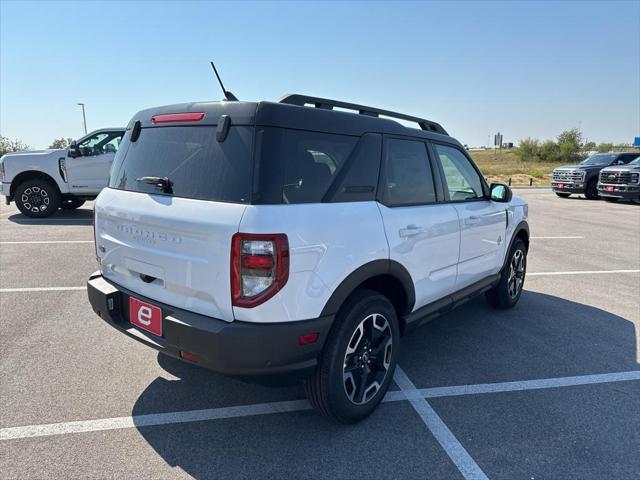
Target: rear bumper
[(628, 192), (263, 353)]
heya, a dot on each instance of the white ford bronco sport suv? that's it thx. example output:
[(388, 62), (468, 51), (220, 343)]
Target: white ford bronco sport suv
[(295, 241), (42, 181)]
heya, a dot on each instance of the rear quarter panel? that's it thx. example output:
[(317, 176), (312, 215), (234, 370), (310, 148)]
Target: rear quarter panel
[(327, 241)]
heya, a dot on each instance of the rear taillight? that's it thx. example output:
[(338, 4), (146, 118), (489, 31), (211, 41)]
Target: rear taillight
[(259, 267)]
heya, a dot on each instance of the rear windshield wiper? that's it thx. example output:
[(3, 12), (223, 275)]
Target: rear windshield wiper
[(161, 182)]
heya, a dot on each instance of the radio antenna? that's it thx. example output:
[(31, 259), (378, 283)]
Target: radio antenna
[(227, 94)]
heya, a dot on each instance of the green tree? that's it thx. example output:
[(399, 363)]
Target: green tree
[(7, 145), (59, 143), (528, 150), (570, 144), (550, 151)]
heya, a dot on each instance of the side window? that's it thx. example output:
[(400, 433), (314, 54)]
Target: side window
[(297, 166), (90, 146), (408, 178), (463, 181), (112, 145), (100, 143)]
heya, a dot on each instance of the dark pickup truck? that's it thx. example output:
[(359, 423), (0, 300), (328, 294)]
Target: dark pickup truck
[(622, 181), (583, 178)]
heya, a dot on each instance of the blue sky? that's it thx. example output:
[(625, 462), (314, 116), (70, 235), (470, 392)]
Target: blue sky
[(524, 69)]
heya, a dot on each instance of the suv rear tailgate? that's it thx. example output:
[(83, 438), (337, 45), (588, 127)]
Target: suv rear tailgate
[(170, 249)]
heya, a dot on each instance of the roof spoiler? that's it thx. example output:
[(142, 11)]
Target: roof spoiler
[(327, 104)]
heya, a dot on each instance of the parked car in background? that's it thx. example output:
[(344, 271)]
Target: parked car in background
[(622, 181), (42, 181), (583, 178), (277, 241)]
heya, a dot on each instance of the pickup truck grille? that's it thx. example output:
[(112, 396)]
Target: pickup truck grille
[(618, 178), (568, 175)]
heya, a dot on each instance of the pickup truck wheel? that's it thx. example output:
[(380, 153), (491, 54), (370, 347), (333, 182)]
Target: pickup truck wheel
[(359, 358), (592, 190), (37, 198), (71, 204), (507, 292), (563, 195)]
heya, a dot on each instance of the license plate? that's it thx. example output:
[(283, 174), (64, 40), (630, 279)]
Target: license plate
[(608, 189), (146, 316), (561, 185)]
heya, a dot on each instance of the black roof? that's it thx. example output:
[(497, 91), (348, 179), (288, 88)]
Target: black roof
[(290, 112)]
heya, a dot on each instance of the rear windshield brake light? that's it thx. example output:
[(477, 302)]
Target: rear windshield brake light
[(178, 117)]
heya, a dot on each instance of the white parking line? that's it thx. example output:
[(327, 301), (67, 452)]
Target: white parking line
[(555, 238), (447, 440), (581, 272), (11, 433), (45, 242), (529, 384), (40, 289)]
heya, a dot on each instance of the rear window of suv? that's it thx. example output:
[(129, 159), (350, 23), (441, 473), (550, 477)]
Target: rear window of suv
[(198, 166)]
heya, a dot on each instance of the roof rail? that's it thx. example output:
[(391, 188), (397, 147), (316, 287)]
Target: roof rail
[(325, 103)]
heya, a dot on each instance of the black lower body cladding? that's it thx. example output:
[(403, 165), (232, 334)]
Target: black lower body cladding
[(261, 353)]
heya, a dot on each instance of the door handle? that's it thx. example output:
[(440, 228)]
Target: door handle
[(410, 231), (472, 220)]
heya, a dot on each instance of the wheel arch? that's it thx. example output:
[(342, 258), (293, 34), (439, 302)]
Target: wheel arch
[(386, 277), (520, 232), (29, 174)]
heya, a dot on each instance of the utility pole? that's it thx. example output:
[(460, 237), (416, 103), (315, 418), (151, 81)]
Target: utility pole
[(84, 117)]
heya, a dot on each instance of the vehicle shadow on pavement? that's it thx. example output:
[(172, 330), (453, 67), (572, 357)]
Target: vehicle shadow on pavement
[(542, 337), (81, 216)]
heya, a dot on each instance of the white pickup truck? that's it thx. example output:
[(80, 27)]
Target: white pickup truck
[(42, 181)]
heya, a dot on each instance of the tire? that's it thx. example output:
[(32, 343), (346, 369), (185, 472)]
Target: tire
[(591, 191), (563, 195), (71, 203), (507, 293), (37, 198), (365, 325), (610, 199)]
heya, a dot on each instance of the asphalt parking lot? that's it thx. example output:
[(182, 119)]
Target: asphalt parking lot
[(549, 389)]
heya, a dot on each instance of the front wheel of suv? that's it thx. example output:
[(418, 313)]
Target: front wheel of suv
[(359, 358), (37, 198), (508, 290)]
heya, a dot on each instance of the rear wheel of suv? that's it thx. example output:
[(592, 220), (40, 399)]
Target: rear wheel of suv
[(358, 361), (71, 203), (37, 198), (563, 195), (507, 293), (592, 190)]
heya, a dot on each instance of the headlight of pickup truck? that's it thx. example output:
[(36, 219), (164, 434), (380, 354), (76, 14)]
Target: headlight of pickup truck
[(635, 177)]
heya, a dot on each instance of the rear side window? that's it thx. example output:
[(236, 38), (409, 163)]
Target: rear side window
[(298, 166), (408, 179), (198, 166)]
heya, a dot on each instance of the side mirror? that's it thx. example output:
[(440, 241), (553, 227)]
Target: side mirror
[(500, 192), (74, 151)]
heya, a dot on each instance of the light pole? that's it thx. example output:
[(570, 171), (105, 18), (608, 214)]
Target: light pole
[(84, 117)]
